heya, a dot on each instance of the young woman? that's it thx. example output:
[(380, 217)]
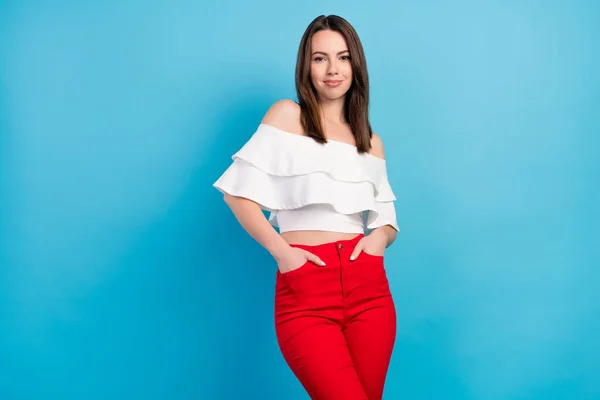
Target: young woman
[(319, 169)]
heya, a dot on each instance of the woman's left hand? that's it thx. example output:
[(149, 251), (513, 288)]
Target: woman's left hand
[(374, 244)]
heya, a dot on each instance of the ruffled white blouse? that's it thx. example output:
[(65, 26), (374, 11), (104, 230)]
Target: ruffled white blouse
[(307, 185)]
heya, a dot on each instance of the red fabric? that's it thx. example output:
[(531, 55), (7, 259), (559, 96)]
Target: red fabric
[(336, 324)]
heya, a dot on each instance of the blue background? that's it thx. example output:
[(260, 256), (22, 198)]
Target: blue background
[(123, 275)]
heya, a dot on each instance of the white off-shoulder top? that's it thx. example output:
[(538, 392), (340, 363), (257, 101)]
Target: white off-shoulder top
[(307, 185)]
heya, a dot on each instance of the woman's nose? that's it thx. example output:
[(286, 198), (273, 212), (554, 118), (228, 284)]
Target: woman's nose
[(332, 68)]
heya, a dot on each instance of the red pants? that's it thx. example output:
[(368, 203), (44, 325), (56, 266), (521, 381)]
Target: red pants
[(336, 324)]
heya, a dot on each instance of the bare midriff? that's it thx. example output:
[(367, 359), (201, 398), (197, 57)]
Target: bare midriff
[(314, 238)]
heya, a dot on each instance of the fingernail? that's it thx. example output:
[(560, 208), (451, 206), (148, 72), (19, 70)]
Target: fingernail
[(322, 262), (352, 257)]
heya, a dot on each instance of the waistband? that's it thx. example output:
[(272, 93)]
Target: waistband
[(331, 248)]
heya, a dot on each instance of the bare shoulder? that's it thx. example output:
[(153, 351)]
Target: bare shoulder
[(285, 115), (377, 146)]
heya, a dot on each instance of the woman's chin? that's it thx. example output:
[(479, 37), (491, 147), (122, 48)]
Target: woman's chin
[(329, 96)]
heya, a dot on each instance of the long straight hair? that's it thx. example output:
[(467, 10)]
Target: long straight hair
[(356, 104)]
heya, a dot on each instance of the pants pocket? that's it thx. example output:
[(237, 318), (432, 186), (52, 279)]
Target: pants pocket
[(294, 277), (295, 270), (373, 256)]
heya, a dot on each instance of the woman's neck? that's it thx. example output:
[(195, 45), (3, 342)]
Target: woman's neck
[(333, 111)]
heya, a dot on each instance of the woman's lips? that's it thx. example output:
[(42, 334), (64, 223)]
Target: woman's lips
[(333, 83)]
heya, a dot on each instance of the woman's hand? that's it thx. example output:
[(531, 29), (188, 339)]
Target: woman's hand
[(374, 244), (294, 258)]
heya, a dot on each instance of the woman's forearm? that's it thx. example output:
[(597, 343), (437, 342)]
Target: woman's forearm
[(388, 231), (252, 219)]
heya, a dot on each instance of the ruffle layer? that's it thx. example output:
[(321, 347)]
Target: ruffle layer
[(280, 153), (284, 171)]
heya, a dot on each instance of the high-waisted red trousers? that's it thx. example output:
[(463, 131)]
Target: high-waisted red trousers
[(336, 324)]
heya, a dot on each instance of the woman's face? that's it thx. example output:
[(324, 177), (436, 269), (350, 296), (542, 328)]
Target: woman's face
[(330, 66)]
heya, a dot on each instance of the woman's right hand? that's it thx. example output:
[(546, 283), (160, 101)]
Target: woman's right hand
[(295, 258)]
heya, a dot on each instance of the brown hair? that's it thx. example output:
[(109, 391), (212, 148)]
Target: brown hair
[(356, 105)]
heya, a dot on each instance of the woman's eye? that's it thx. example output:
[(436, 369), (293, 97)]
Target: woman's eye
[(322, 58)]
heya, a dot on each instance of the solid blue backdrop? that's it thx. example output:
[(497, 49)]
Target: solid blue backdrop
[(124, 275)]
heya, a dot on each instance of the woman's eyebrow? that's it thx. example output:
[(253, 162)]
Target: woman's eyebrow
[(321, 52)]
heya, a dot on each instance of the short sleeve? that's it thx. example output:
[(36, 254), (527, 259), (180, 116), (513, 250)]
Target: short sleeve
[(384, 214)]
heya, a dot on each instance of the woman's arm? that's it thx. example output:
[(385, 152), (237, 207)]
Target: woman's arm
[(252, 219), (386, 231)]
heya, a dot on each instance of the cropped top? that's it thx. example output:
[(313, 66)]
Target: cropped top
[(306, 185)]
